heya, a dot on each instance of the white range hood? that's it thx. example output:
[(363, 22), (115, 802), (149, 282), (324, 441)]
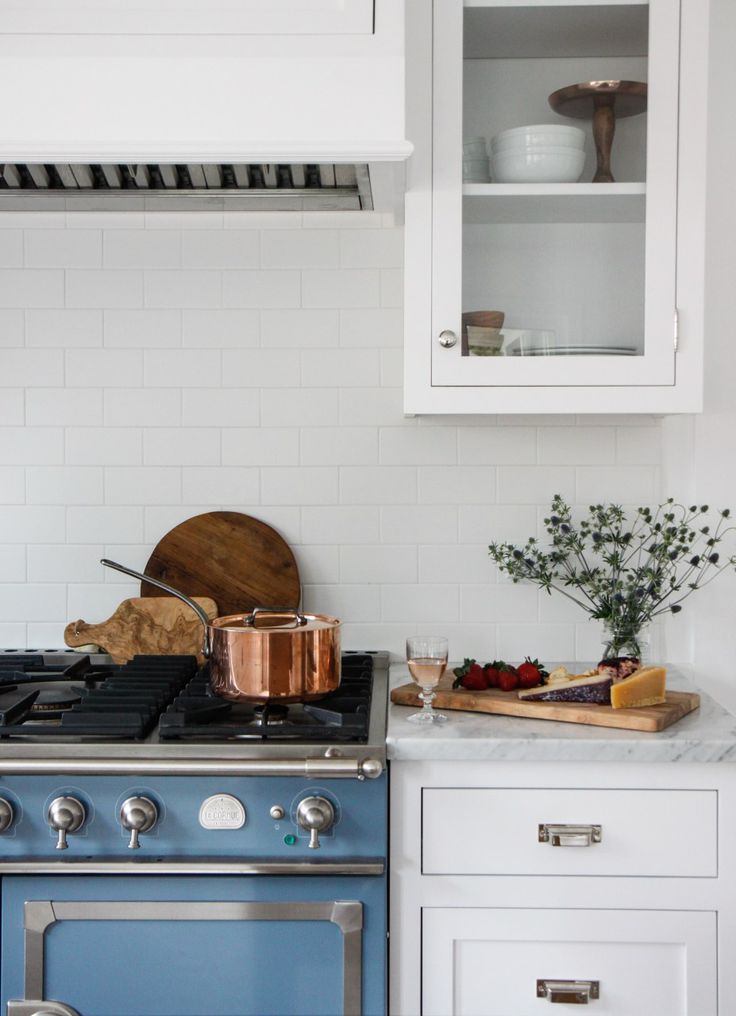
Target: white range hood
[(292, 104)]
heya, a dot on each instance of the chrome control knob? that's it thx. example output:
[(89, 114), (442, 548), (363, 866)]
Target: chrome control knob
[(316, 815), (6, 815), (138, 815), (66, 815)]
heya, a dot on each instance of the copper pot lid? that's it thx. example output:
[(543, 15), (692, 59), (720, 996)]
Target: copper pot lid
[(264, 620)]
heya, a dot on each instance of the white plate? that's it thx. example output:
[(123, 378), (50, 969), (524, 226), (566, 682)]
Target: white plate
[(514, 350)]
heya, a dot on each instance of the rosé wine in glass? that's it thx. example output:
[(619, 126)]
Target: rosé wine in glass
[(426, 656)]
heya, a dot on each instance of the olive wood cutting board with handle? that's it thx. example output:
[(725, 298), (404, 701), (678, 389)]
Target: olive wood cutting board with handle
[(507, 703), (234, 558), (161, 626)]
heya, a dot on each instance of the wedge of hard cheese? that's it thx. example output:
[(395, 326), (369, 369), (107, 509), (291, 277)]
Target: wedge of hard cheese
[(643, 688)]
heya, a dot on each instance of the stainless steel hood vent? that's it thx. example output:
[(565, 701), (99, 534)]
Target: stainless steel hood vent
[(240, 186)]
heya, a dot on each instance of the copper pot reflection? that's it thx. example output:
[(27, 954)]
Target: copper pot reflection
[(271, 654)]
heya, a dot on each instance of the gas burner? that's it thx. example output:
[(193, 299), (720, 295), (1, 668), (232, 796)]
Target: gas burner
[(52, 702), (270, 714)]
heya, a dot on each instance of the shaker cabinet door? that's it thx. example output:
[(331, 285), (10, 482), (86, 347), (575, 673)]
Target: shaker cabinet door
[(482, 962)]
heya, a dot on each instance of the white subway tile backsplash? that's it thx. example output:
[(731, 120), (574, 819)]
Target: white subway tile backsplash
[(135, 329), (12, 563), (300, 329), (12, 407), (219, 329), (103, 446), (143, 407), (220, 407), (104, 368), (389, 485), (299, 485), (249, 446), (101, 524), (371, 248), (332, 446), (372, 327), (12, 326), (181, 446), (12, 484), (157, 365), (32, 524), (142, 485), (64, 485), (340, 368), (32, 602), (451, 563), (182, 288), (25, 368), (25, 287), (576, 445), (23, 446), (299, 407), (409, 446), (261, 289), (497, 446), (378, 564), (142, 248), (260, 368), (341, 288), (65, 328), (218, 248), (11, 248), (222, 485), (63, 248), (299, 248), (465, 485), (102, 288), (181, 368), (49, 562)]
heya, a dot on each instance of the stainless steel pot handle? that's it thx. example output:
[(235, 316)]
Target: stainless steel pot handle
[(201, 614), (251, 619)]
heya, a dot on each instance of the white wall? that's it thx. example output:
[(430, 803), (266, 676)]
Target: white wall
[(156, 366)]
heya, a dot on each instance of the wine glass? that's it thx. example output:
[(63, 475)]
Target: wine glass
[(426, 656)]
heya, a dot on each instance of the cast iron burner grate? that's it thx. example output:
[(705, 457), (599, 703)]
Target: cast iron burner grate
[(342, 716), (115, 701)]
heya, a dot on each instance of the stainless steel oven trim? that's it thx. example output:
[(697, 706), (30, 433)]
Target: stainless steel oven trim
[(189, 866), (41, 914)]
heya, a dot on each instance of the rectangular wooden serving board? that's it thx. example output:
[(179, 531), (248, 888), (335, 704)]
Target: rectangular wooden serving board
[(507, 703)]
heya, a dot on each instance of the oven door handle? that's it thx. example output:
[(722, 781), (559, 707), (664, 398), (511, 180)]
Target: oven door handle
[(24, 1007)]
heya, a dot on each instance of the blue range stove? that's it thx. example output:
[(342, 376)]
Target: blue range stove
[(165, 853)]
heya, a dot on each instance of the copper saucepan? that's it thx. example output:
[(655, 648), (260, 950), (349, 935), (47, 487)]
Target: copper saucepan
[(273, 653)]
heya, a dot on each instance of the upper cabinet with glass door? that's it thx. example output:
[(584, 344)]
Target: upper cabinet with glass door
[(569, 263)]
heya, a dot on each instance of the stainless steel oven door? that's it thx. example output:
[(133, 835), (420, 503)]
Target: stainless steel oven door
[(193, 945)]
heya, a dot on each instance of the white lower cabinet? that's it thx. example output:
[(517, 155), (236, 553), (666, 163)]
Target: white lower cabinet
[(519, 889), (486, 962)]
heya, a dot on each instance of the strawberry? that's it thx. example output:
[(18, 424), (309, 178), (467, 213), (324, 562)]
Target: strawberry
[(490, 672), (530, 673), (474, 679), (508, 679)]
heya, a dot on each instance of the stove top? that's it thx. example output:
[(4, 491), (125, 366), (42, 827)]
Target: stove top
[(63, 704)]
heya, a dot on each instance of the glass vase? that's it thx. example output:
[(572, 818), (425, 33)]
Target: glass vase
[(626, 640)]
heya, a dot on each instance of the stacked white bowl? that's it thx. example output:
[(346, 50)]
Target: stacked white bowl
[(539, 153), (475, 161)]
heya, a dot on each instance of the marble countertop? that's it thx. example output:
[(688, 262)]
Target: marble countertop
[(706, 735)]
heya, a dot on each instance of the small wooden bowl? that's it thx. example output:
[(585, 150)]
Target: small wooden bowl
[(480, 319)]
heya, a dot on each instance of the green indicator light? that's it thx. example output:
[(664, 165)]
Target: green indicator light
[(290, 840)]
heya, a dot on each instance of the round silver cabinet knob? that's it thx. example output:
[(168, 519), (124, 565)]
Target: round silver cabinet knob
[(6, 815), (66, 815), (447, 339), (316, 815), (138, 815)]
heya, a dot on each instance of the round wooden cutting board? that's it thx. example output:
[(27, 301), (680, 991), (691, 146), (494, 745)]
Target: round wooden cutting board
[(237, 560)]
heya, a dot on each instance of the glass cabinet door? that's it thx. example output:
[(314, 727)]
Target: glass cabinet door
[(536, 280)]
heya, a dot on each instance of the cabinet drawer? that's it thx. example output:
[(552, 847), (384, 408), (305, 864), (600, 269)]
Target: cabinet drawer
[(487, 962), (497, 832)]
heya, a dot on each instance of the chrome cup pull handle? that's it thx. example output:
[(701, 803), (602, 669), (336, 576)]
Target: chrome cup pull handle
[(568, 992), (561, 835)]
